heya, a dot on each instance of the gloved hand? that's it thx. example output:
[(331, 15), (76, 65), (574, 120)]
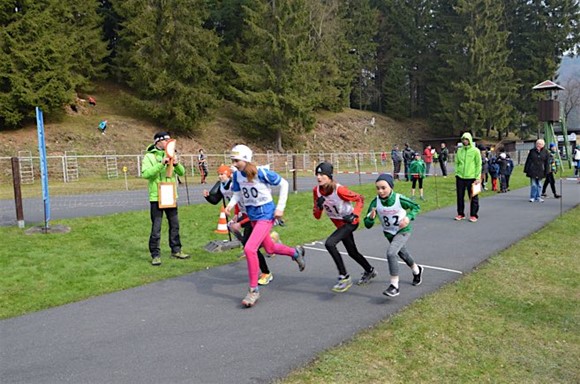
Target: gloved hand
[(350, 218), (319, 202)]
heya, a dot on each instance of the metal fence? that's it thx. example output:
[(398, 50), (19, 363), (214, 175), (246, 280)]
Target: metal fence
[(70, 167)]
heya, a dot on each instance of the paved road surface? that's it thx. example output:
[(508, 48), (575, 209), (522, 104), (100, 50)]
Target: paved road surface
[(192, 329)]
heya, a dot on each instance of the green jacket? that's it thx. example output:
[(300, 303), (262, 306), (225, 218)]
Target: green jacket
[(468, 160), (417, 167), (412, 210), (154, 170)]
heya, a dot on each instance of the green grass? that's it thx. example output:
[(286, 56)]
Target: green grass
[(109, 253), (513, 320)]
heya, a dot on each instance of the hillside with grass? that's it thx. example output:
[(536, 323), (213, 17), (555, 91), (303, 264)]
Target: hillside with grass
[(129, 133)]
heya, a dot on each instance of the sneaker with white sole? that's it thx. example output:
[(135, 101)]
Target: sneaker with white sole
[(251, 298), (299, 257), (367, 276), (418, 278), (343, 284), (391, 291), (156, 261), (265, 278)]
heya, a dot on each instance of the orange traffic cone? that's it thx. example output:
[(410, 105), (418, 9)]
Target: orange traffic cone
[(222, 226)]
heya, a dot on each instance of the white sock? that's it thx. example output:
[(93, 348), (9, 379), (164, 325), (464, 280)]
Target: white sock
[(395, 281), (415, 269)]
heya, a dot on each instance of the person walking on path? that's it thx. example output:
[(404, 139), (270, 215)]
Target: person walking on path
[(536, 168), (443, 157), (240, 224), (154, 169), (467, 174), (336, 200), (408, 156), (252, 187), (552, 170), (397, 158), (576, 157), (417, 171), (202, 165), (428, 158), (395, 213)]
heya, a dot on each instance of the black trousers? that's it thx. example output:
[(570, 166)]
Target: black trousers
[(462, 186), (344, 234), (155, 236), (551, 181), (396, 169), (443, 165)]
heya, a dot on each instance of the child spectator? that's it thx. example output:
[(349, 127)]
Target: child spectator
[(493, 172), (417, 170), (395, 212), (336, 200), (552, 169), (510, 169), (503, 170)]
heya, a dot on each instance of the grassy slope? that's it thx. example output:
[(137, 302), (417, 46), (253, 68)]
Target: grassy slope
[(129, 133)]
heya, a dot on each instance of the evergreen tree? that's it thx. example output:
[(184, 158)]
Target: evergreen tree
[(403, 55), (362, 21), (49, 49), (489, 88), (541, 31), (277, 80), (168, 58)]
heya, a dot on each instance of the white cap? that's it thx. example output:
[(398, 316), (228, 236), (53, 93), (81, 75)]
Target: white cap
[(502, 155), (241, 152)]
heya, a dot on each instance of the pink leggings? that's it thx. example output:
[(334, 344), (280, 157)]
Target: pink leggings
[(261, 237)]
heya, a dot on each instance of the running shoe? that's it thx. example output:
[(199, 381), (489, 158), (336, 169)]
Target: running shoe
[(344, 283), (418, 278), (367, 276), (299, 257), (391, 291), (180, 255), (459, 217), (265, 278), (251, 298), (473, 219), (156, 261)]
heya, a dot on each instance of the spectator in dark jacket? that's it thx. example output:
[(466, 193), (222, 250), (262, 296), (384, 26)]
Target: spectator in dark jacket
[(536, 168), (408, 156)]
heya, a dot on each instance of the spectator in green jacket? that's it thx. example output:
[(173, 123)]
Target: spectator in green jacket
[(154, 169), (467, 174), (417, 170)]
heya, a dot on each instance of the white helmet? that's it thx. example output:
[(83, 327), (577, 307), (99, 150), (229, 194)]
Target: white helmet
[(241, 152)]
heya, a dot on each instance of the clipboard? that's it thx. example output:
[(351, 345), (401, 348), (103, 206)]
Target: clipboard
[(475, 189), (167, 195)]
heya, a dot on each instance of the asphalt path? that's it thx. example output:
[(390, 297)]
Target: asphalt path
[(192, 329)]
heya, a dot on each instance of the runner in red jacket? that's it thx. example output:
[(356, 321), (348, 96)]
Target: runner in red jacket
[(336, 200)]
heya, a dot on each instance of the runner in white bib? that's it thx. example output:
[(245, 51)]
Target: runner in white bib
[(336, 200), (395, 213), (251, 185)]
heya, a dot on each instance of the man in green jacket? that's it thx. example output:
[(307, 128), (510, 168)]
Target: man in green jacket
[(467, 174), (154, 169)]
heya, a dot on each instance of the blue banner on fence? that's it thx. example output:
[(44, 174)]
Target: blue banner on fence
[(43, 166)]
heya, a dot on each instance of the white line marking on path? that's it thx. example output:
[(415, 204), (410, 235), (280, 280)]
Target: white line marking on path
[(385, 260)]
